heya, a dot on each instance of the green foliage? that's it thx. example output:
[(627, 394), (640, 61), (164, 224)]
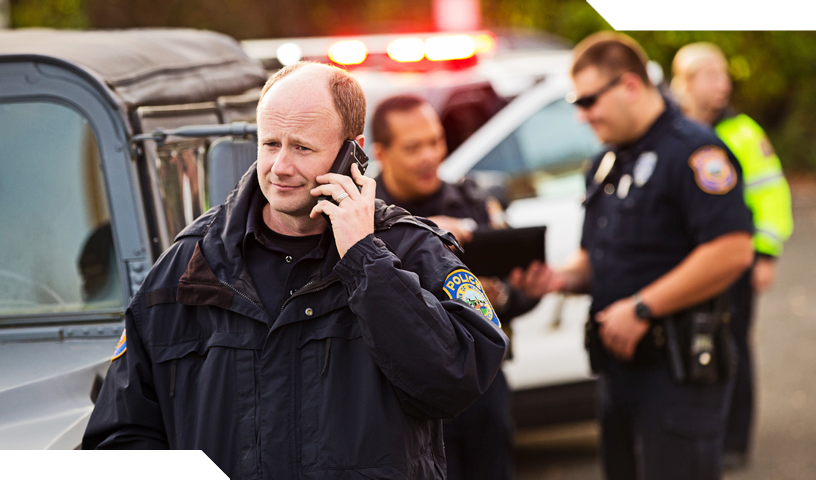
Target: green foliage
[(774, 75), (48, 13)]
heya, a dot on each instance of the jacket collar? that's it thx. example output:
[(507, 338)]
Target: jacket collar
[(218, 263)]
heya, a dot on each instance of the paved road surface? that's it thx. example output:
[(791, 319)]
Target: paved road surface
[(785, 338)]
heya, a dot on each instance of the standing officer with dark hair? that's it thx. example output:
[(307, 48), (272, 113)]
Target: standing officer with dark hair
[(666, 232), (409, 142), (289, 348)]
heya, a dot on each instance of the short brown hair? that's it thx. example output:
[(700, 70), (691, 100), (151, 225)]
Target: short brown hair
[(346, 91), (380, 129), (612, 53)]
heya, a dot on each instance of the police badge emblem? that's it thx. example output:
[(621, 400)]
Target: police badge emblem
[(713, 171), (463, 285), (121, 347), (644, 167)]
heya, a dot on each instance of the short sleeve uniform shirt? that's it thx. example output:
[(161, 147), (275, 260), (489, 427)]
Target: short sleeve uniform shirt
[(650, 203)]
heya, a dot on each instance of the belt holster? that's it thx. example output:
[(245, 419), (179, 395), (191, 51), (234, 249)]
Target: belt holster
[(697, 343), (699, 346)]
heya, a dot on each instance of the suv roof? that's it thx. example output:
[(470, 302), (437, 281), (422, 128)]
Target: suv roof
[(147, 67)]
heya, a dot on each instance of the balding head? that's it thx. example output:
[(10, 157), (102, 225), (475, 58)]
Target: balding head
[(300, 132), (346, 93)]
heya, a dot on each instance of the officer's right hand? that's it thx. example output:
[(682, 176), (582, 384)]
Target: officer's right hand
[(461, 228), (764, 274), (537, 280)]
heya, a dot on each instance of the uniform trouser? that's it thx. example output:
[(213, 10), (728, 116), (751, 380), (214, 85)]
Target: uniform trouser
[(738, 428), (478, 440), (653, 429)]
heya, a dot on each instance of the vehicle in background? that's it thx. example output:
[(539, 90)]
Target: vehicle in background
[(440, 67), (86, 210)]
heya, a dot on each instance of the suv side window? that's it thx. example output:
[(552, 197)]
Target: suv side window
[(552, 142), (57, 247), (176, 170)]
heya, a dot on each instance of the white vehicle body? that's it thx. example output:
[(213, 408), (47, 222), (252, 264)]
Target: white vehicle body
[(549, 368)]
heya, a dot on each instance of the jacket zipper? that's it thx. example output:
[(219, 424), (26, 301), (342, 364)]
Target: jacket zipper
[(268, 327), (305, 289), (240, 293)]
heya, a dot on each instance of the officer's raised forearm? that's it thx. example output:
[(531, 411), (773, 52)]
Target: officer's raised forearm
[(576, 273), (707, 271)]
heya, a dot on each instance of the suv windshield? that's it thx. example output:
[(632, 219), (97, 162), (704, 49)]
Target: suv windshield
[(544, 156), (56, 248)]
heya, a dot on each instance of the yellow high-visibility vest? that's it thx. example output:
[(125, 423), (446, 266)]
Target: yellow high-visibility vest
[(766, 191)]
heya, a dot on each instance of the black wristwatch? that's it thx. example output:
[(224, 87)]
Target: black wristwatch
[(642, 310)]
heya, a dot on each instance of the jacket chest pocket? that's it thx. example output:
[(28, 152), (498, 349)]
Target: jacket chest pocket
[(207, 389)]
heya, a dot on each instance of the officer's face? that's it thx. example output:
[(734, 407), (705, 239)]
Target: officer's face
[(299, 135), (710, 86), (610, 115), (415, 152)]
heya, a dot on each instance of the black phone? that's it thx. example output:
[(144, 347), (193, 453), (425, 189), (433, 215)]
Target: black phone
[(350, 153)]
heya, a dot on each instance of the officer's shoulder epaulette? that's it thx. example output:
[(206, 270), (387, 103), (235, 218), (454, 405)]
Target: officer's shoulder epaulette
[(387, 216), (692, 134)]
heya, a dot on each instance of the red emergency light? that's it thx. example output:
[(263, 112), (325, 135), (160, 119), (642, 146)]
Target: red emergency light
[(406, 50), (348, 52), (450, 47), (413, 53)]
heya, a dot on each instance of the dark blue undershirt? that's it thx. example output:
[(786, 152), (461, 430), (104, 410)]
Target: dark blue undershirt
[(279, 264)]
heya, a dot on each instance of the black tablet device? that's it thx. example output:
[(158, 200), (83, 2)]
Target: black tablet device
[(494, 253)]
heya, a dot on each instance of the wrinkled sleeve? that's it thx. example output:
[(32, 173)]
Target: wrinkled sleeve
[(127, 415), (440, 354)]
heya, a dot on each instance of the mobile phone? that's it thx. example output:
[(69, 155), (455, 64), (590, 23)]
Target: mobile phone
[(349, 154)]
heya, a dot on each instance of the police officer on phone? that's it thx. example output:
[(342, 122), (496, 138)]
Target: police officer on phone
[(286, 347), (666, 232), (409, 142)]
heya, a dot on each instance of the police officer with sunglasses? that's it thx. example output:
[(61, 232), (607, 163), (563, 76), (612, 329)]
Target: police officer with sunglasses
[(666, 232)]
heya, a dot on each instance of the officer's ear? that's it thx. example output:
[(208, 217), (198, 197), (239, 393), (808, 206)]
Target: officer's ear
[(360, 139), (633, 84), (378, 149)]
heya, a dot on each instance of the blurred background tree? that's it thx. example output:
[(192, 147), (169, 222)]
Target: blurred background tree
[(773, 72)]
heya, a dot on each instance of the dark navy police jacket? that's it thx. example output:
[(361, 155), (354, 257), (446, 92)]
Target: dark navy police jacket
[(684, 189), (350, 380)]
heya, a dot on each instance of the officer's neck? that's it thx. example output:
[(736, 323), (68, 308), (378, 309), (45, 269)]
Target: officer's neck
[(704, 115), (398, 192), (293, 225), (647, 111)]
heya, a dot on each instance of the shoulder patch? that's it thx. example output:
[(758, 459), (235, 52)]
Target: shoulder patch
[(713, 171), (121, 347), (465, 286)]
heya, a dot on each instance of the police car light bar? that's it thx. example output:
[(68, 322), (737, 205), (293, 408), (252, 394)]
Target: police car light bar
[(406, 50), (453, 47), (348, 52)]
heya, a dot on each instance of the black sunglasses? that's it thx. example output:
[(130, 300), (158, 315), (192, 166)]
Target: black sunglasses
[(589, 100)]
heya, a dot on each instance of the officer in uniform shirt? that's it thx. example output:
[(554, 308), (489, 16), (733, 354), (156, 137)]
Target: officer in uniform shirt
[(409, 142), (702, 86), (665, 229)]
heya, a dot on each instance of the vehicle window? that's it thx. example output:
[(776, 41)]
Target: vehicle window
[(56, 248), (182, 177), (552, 142), (176, 169)]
